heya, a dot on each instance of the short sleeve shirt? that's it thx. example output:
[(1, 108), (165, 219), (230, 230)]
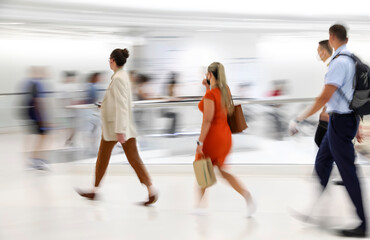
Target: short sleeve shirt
[(340, 73)]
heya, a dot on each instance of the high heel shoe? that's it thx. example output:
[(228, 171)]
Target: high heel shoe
[(88, 195), (152, 199)]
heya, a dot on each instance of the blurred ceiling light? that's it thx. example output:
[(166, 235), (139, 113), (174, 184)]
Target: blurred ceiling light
[(11, 23), (261, 7), (208, 30), (101, 32), (90, 12)]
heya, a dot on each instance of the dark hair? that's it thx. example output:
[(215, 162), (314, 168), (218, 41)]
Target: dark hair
[(120, 56), (173, 78), (339, 32), (215, 73), (94, 77), (69, 74), (325, 44), (141, 78)]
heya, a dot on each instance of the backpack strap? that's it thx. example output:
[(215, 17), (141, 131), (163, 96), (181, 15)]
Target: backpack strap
[(348, 55), (340, 91), (352, 56), (344, 96)]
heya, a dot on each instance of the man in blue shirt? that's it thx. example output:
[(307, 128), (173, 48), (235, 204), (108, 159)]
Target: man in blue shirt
[(337, 145), (37, 116)]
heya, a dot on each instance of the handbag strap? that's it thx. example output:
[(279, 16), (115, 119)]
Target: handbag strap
[(230, 96), (199, 156)]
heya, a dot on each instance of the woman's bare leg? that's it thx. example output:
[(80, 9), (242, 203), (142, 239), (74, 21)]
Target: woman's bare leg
[(241, 190), (235, 184), (201, 195)]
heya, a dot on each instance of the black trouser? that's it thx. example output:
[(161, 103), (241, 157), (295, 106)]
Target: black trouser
[(320, 132), (337, 147)]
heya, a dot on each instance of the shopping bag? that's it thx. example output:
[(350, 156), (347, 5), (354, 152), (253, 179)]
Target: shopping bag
[(204, 171)]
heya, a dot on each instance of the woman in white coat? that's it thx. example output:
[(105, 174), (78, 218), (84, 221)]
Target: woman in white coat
[(118, 126)]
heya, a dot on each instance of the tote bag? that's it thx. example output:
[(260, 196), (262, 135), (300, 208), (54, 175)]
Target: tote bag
[(236, 119), (204, 172)]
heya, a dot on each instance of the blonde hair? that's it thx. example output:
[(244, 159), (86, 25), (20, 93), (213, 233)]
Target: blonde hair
[(218, 71)]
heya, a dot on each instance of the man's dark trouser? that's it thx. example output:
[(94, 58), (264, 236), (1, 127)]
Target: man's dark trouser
[(320, 132), (337, 147)]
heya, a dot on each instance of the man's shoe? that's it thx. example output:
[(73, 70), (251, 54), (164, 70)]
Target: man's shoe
[(338, 182), (356, 232)]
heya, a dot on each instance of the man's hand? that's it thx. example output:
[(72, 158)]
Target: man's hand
[(293, 127), (121, 138), (360, 135)]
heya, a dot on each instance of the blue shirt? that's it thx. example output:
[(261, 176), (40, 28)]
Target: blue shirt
[(340, 73), (34, 90), (92, 93)]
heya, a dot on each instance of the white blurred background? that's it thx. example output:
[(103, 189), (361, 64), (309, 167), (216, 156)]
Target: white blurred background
[(269, 49), (264, 45)]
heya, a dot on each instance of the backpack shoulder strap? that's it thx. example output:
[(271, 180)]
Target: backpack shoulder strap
[(340, 91), (352, 56)]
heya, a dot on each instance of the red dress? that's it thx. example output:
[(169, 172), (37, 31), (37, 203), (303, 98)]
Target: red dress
[(217, 143)]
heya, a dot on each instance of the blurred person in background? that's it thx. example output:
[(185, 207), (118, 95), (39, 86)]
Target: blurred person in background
[(67, 98), (245, 91), (92, 90), (36, 112), (141, 89), (170, 94), (279, 87), (133, 78), (92, 124), (118, 126), (337, 145), (215, 136), (141, 85)]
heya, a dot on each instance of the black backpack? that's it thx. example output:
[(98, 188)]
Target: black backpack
[(28, 101), (360, 103)]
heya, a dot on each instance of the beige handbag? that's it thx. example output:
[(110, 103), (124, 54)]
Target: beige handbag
[(204, 171)]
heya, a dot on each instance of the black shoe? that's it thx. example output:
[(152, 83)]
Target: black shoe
[(338, 182), (356, 232)]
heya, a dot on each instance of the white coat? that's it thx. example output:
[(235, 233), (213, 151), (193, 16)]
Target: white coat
[(116, 109)]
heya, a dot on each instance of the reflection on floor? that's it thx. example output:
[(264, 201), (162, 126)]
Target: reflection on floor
[(44, 205)]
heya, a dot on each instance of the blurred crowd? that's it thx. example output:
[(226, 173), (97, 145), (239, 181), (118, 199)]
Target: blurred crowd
[(70, 110)]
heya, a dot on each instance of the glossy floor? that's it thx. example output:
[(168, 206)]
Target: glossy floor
[(44, 205)]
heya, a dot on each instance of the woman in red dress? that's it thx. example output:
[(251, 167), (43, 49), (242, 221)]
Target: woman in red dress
[(215, 136)]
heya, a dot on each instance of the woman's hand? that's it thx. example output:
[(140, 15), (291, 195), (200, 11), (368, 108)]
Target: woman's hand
[(98, 104), (204, 82), (121, 138), (199, 149)]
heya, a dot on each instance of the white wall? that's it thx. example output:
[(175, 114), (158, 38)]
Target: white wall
[(295, 59), (190, 55)]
